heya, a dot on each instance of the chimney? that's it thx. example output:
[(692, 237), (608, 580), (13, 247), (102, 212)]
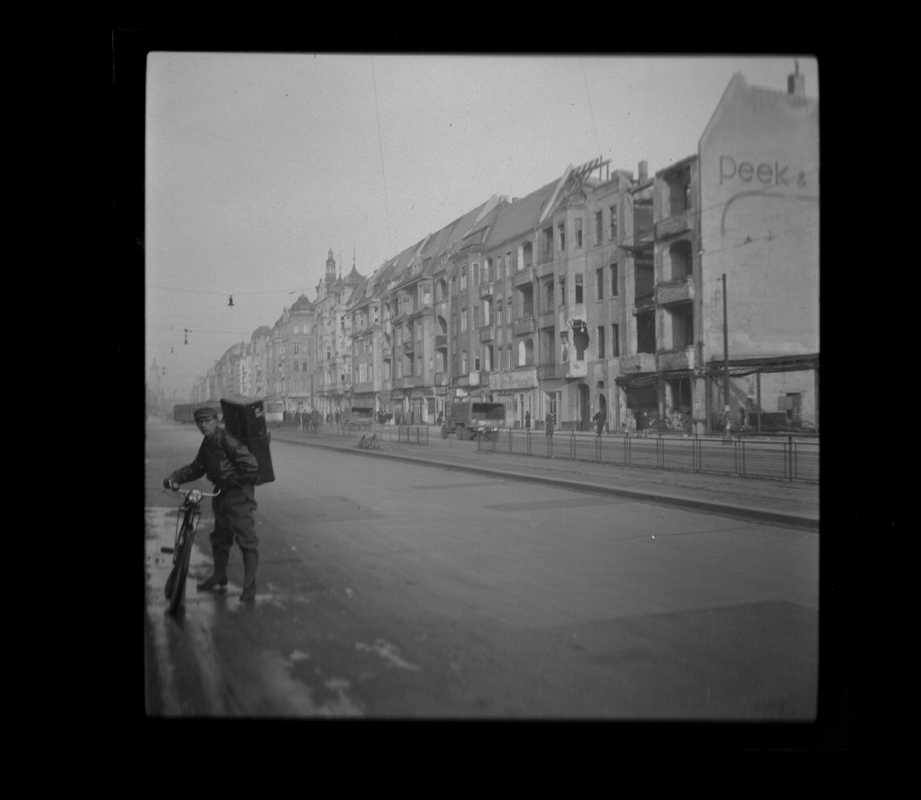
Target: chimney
[(642, 171), (796, 83)]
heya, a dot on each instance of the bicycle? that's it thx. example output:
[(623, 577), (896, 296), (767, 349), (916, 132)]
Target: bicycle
[(186, 524)]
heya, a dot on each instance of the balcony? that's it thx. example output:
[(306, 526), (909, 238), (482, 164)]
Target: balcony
[(549, 372), (546, 320), (441, 379), (523, 276), (676, 359), (638, 362), (523, 326), (644, 301), (474, 378), (486, 333), (673, 225), (425, 308), (363, 387), (678, 291), (441, 340), (576, 369), (411, 380)]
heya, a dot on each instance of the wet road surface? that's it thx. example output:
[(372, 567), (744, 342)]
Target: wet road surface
[(389, 589)]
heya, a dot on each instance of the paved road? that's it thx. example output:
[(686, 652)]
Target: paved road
[(389, 589), (784, 502)]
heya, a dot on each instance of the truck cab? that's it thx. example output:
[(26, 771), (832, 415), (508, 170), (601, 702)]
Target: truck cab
[(468, 419)]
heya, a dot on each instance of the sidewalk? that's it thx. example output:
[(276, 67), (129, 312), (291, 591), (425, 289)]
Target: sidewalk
[(793, 504)]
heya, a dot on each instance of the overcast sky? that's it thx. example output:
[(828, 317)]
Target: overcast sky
[(257, 165)]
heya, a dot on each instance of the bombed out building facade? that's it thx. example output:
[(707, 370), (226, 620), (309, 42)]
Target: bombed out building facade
[(668, 296)]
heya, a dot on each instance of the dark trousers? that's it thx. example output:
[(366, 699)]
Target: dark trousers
[(233, 521)]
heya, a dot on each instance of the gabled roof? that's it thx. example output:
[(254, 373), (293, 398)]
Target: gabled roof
[(737, 84), (302, 304), (519, 217), (262, 330)]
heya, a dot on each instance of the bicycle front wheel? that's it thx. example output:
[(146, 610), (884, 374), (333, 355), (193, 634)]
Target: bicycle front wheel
[(175, 584)]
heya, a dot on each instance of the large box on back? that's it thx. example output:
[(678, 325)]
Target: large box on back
[(244, 418)]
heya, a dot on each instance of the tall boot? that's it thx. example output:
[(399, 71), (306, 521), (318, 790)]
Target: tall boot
[(250, 562), (218, 578)]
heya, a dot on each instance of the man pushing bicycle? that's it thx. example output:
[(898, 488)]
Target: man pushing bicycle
[(233, 469)]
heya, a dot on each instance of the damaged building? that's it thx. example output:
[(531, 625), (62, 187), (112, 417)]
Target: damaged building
[(659, 298)]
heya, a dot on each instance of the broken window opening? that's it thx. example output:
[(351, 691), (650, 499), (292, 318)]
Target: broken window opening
[(645, 281), (682, 321), (679, 256), (646, 332), (678, 184)]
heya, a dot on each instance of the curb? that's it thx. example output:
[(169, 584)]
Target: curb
[(744, 512)]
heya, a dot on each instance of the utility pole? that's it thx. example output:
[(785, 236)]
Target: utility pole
[(725, 349)]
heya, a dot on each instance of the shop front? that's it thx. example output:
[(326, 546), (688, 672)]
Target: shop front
[(362, 405)]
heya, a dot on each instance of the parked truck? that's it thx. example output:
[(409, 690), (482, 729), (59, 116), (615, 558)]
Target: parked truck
[(468, 419)]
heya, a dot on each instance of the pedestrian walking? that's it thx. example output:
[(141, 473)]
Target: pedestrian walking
[(599, 423), (527, 420), (548, 424), (727, 422), (233, 469)]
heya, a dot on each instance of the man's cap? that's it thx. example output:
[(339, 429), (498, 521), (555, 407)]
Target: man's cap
[(205, 412)]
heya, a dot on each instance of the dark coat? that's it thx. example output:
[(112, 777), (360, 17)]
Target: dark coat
[(225, 460)]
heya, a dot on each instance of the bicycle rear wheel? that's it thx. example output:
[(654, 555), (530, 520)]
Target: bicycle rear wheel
[(175, 583)]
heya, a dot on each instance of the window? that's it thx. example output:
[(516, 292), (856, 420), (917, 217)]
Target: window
[(297, 366), (508, 311), (488, 270), (562, 291), (476, 364), (562, 232), (486, 319), (614, 280), (598, 227), (578, 232), (487, 357), (601, 341), (463, 320), (564, 346), (500, 269), (476, 316), (599, 283), (548, 244), (508, 259), (521, 353), (612, 233), (579, 288), (464, 362), (463, 280)]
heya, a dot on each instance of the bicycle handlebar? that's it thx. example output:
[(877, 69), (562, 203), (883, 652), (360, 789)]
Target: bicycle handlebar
[(201, 493)]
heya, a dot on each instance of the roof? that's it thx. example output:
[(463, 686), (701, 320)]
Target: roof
[(262, 330), (680, 163), (302, 304), (519, 217)]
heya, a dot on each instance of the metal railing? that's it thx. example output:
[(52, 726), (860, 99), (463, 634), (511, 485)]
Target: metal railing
[(405, 434), (786, 459)]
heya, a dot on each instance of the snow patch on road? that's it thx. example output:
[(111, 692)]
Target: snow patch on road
[(388, 652)]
